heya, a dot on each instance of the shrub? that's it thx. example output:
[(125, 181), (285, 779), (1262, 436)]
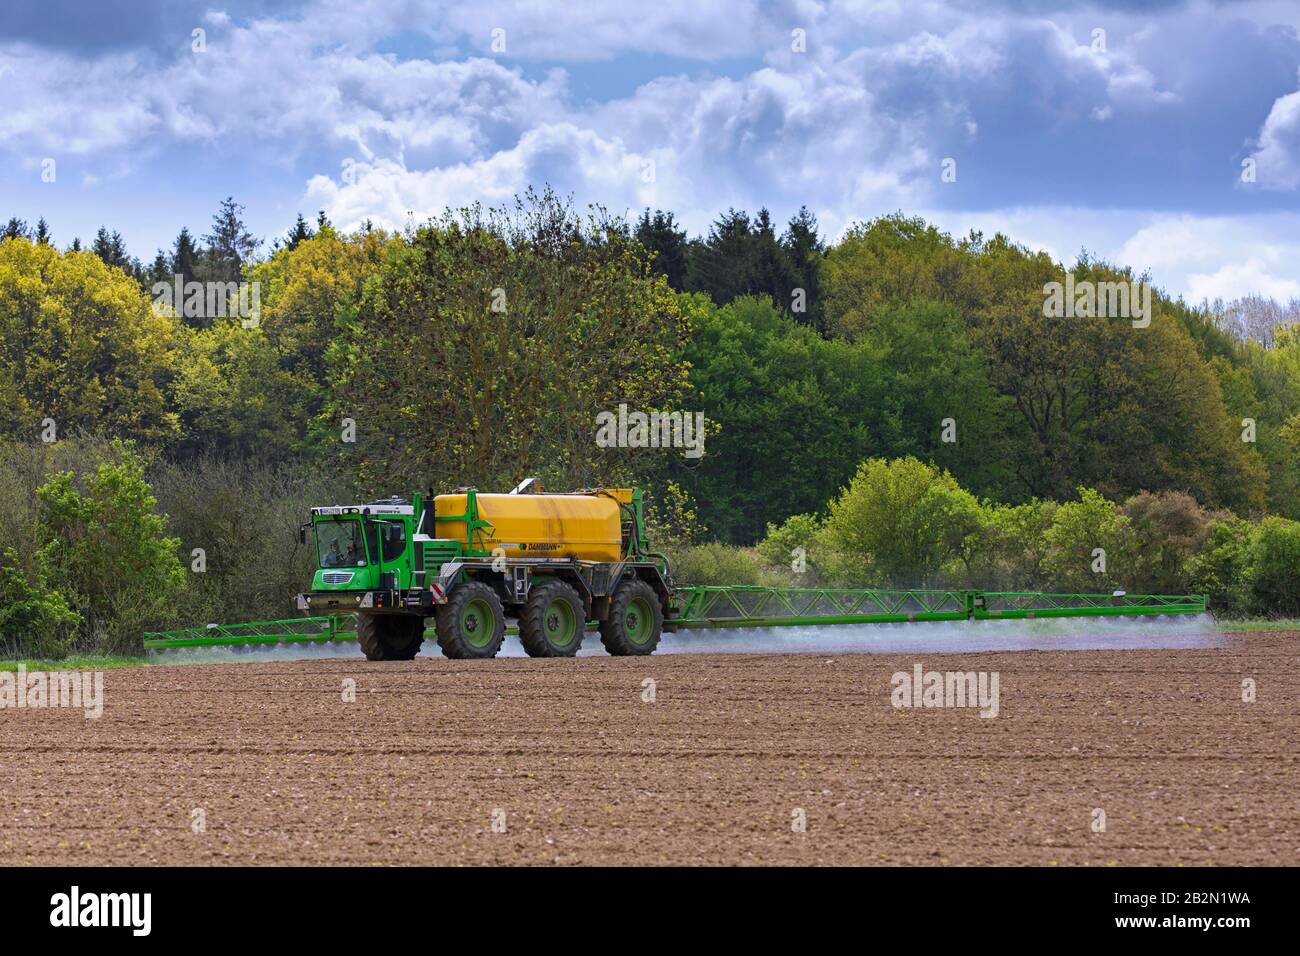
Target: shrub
[(1078, 529), (1221, 569), (715, 563), (108, 551), (670, 518), (1012, 546), (797, 531), (1170, 527), (898, 524), (1275, 567), (245, 516), (35, 620)]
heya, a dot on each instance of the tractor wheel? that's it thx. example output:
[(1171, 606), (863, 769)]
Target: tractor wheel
[(635, 620), (390, 637), (553, 621), (471, 624)]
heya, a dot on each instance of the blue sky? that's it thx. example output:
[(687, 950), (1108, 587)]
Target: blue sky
[(1116, 127)]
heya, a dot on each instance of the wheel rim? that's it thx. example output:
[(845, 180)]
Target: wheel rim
[(638, 620), (559, 623), (477, 623)]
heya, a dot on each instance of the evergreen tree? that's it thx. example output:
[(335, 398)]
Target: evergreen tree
[(769, 266), (76, 245), (111, 247), (185, 256), (229, 244), (661, 237), (42, 233), (744, 256), (15, 228), (322, 221), (804, 250), (159, 271), (719, 265), (298, 233)]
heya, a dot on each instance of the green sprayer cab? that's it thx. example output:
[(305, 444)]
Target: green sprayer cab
[(363, 547)]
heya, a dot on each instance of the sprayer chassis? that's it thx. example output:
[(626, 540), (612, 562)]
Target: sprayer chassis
[(510, 578)]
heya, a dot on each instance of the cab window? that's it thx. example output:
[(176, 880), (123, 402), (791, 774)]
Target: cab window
[(392, 536)]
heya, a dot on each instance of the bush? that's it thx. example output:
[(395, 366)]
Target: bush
[(245, 517), (109, 552), (779, 547), (670, 518), (716, 563), (898, 524), (1012, 546), (1221, 569), (1274, 573), (1078, 530), (35, 620), (1170, 528)]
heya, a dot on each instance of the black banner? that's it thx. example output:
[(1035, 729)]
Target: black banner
[(941, 906)]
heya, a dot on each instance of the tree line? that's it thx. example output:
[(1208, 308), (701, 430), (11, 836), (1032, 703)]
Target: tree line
[(480, 347)]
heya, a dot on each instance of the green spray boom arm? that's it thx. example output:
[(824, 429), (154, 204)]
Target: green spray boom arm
[(706, 607)]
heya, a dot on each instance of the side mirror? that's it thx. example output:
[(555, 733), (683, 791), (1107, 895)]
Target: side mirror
[(302, 534)]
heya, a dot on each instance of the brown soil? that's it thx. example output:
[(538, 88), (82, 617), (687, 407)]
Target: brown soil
[(713, 771)]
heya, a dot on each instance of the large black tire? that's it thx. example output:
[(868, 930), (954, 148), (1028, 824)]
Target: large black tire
[(636, 620), (553, 621), (390, 637), (472, 623)]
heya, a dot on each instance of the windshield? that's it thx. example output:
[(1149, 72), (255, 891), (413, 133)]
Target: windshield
[(338, 544)]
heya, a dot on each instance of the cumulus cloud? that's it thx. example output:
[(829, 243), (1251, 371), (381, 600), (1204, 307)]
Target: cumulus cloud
[(1277, 157), (856, 124), (1220, 256), (1228, 282)]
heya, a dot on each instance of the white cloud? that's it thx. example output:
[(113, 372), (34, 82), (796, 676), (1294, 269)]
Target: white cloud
[(1278, 153), (855, 127), (561, 154), (1237, 279)]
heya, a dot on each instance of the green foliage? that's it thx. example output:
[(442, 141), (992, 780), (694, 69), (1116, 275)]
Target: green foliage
[(487, 344), (245, 516), (671, 519), (905, 329), (780, 547), (898, 524), (35, 619), (716, 563), (1012, 547), (262, 392), (932, 377), (799, 412), (665, 245), (1274, 573), (1078, 530), (1170, 527), (743, 256), (108, 551), (1221, 570), (80, 345), (1096, 401)]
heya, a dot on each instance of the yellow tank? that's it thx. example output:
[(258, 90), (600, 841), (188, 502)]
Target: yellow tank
[(586, 527)]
